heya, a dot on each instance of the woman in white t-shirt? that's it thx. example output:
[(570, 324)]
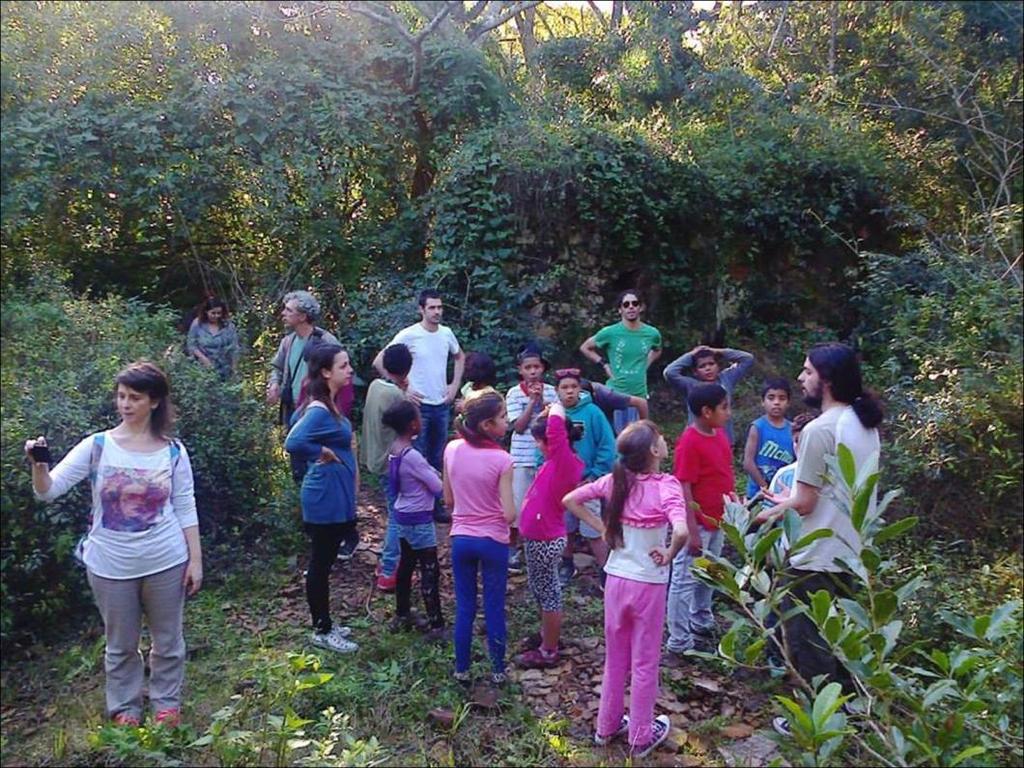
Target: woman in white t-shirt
[(142, 552)]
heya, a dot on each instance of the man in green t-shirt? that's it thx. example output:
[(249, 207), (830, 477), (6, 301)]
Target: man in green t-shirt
[(625, 350)]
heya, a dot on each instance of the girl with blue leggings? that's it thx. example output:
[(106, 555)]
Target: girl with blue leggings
[(478, 490)]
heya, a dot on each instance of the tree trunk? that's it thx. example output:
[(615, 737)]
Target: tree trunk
[(617, 8), (424, 172), (525, 22), (833, 22)]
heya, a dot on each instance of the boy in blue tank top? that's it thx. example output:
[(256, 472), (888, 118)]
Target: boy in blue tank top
[(770, 439)]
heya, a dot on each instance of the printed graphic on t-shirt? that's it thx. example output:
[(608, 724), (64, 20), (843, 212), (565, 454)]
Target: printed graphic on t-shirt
[(636, 363), (132, 499), (771, 457)]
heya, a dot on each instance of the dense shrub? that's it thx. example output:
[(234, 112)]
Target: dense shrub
[(943, 331), (60, 355), (537, 224)]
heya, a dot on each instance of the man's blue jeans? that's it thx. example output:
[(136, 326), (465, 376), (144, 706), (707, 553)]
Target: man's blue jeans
[(390, 553), (623, 418), (433, 432)]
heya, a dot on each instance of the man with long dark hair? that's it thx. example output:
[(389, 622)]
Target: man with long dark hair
[(850, 415)]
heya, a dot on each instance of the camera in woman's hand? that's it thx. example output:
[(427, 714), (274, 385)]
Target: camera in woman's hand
[(38, 450)]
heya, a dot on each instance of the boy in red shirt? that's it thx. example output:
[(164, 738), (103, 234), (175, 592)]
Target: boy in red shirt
[(703, 465)]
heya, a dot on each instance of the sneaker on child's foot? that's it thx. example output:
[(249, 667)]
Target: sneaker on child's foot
[(126, 719), (566, 572), (659, 732), (498, 679), (781, 726), (347, 549), (170, 717), (515, 562), (387, 583), (463, 678), (335, 640), (538, 658), (622, 730)]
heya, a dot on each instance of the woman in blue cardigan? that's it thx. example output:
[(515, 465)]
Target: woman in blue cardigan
[(322, 437)]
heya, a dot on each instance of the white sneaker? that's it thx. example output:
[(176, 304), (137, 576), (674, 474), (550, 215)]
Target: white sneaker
[(659, 732), (335, 640), (781, 726), (622, 730)]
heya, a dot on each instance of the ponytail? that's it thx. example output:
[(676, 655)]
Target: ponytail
[(868, 409), (622, 485), (634, 446), (475, 412), (838, 365)]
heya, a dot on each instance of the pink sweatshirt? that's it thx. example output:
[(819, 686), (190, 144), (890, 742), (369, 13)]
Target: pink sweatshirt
[(543, 517), (655, 502)]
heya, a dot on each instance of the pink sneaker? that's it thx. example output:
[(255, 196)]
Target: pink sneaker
[(538, 658), (126, 719), (387, 583), (168, 717)]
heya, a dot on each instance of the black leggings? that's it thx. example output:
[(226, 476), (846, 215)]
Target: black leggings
[(324, 539), (430, 577)]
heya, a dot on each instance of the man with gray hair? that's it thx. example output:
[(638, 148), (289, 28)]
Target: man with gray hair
[(300, 313)]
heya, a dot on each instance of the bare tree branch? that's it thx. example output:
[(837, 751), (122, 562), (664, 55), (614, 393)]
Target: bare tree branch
[(388, 18), (496, 21), (597, 12), (476, 10), (434, 23), (778, 29), (382, 14)]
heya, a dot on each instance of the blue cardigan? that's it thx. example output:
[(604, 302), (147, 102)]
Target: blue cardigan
[(328, 491)]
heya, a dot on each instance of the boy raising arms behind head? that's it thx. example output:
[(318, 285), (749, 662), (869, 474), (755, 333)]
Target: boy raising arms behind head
[(704, 362)]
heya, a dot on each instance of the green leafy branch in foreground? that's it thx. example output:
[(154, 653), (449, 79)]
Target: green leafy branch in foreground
[(913, 703)]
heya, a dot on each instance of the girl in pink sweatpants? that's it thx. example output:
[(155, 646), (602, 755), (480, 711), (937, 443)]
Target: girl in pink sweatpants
[(641, 504)]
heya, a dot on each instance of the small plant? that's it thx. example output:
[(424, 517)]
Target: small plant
[(262, 723), (143, 745), (913, 704), (554, 729), (331, 743)]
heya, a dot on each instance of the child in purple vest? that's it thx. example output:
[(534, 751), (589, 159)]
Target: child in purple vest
[(415, 486)]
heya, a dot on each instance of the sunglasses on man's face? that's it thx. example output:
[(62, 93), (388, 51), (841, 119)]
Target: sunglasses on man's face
[(628, 303)]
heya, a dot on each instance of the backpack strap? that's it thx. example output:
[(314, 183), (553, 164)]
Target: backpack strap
[(98, 441), (94, 456), (394, 469)]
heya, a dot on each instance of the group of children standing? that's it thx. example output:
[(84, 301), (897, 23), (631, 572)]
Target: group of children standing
[(565, 470)]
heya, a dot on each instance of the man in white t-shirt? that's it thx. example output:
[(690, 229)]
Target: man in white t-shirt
[(431, 345), (831, 380)]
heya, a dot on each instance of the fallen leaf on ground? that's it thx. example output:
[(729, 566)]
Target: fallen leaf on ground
[(737, 731), (441, 717)]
